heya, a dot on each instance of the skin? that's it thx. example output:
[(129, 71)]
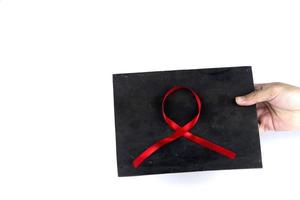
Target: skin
[(278, 106)]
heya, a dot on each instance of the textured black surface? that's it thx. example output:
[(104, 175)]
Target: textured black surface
[(139, 123)]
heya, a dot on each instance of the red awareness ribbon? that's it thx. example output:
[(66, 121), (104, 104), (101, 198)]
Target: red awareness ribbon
[(183, 131)]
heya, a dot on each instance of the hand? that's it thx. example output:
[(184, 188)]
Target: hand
[(278, 106)]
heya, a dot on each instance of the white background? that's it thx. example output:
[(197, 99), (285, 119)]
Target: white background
[(56, 103)]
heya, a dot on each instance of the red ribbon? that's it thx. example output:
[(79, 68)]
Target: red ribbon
[(181, 132)]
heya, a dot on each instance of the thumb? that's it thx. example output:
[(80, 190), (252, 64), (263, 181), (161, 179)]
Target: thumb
[(261, 94)]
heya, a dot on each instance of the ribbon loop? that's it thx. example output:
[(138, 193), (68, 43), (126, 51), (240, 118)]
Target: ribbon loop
[(183, 131)]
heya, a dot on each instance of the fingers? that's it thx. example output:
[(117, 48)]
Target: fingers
[(262, 93), (261, 112), (261, 129)]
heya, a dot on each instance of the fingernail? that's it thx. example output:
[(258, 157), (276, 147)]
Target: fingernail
[(240, 99)]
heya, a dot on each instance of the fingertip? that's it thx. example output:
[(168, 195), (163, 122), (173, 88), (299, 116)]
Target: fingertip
[(240, 100), (261, 129)]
